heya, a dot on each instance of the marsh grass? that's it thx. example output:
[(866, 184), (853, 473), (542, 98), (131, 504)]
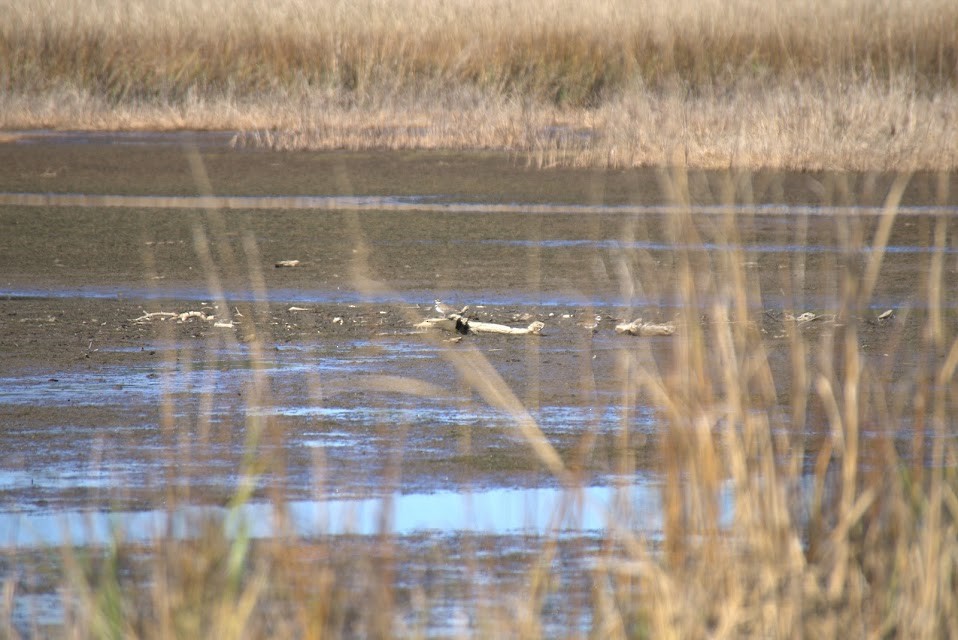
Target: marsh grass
[(841, 474), (852, 84), (556, 50), (807, 125), (827, 537)]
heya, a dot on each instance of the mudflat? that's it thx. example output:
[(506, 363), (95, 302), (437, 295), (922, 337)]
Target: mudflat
[(126, 332)]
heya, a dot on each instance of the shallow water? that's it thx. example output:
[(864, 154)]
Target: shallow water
[(352, 412), (530, 512)]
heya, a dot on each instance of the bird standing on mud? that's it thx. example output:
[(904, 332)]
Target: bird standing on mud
[(444, 309), (458, 317)]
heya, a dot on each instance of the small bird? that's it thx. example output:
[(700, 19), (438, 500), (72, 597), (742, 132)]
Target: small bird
[(592, 326), (444, 309)]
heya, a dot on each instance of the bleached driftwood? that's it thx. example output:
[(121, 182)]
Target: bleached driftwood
[(163, 315), (180, 317), (534, 328), (463, 325), (806, 317), (639, 328), (186, 315)]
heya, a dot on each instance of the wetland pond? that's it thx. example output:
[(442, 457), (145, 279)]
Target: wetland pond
[(310, 385)]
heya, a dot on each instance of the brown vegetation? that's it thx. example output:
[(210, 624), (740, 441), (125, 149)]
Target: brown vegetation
[(852, 84)]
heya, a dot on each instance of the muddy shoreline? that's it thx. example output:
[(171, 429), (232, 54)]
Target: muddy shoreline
[(164, 164), (73, 281)]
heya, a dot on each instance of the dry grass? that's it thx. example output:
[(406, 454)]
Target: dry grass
[(852, 84), (558, 50), (842, 536), (805, 126)]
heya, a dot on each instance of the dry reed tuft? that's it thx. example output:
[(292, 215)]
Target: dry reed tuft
[(839, 521)]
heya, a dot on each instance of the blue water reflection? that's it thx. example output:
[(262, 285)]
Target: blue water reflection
[(536, 511)]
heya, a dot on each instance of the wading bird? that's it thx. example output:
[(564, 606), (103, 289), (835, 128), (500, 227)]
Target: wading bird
[(444, 309)]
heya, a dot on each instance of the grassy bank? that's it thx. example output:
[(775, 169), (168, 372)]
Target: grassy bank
[(853, 84)]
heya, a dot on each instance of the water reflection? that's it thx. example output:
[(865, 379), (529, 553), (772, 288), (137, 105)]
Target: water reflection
[(537, 511), (439, 203)]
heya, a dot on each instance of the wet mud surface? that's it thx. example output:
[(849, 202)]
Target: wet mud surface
[(93, 398), (111, 395), (163, 165), (114, 395)]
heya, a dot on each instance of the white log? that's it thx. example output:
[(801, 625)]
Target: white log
[(163, 315), (534, 329), (460, 324), (186, 315)]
